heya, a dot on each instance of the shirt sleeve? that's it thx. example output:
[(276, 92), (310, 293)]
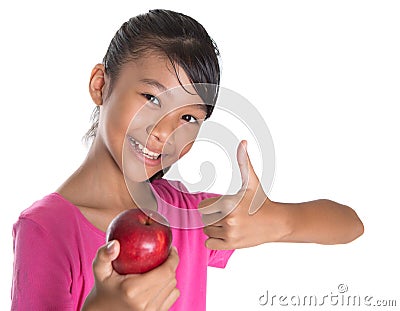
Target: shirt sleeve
[(219, 258), (41, 276)]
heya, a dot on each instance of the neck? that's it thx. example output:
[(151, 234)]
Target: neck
[(99, 183)]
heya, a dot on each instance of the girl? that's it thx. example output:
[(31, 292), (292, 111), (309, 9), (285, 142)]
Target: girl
[(60, 260)]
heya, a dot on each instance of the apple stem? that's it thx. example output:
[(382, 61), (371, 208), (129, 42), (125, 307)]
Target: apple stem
[(147, 221)]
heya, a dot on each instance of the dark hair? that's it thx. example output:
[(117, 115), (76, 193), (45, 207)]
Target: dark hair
[(180, 38)]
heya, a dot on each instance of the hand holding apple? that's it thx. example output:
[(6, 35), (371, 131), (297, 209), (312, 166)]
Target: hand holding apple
[(153, 290)]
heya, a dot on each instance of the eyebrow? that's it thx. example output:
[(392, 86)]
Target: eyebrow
[(201, 106), (154, 83), (162, 88)]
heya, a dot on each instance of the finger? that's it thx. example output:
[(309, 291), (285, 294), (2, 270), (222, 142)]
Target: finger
[(164, 294), (223, 204), (249, 177), (102, 264), (216, 244), (170, 300), (210, 205), (212, 219), (173, 258), (157, 278), (216, 232), (166, 269)]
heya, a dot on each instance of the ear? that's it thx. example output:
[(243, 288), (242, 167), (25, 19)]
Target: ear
[(96, 84)]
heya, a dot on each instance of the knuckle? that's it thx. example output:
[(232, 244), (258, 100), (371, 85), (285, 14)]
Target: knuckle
[(174, 264), (231, 222), (94, 265), (168, 269), (174, 282), (96, 259), (176, 261), (171, 270), (128, 290), (96, 268)]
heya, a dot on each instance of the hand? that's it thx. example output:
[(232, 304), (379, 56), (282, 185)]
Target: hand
[(153, 290), (245, 219)]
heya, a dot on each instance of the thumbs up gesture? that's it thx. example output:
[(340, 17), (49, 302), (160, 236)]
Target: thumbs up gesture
[(245, 219)]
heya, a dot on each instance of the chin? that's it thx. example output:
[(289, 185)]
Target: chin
[(143, 176)]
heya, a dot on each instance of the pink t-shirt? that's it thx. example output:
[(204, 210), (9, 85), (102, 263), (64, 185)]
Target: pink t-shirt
[(54, 246)]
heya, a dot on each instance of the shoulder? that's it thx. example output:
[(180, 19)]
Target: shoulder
[(174, 191), (52, 211)]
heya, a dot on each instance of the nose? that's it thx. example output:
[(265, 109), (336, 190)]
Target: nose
[(162, 131)]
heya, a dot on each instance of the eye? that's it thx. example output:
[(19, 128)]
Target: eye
[(152, 99), (189, 118)]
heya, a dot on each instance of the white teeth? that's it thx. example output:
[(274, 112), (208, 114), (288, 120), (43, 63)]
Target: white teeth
[(146, 152)]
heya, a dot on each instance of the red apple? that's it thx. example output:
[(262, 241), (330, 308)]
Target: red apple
[(145, 239)]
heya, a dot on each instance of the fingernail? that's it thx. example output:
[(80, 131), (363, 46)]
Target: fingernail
[(110, 247)]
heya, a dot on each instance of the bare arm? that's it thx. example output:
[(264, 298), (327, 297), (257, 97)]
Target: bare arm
[(319, 221)]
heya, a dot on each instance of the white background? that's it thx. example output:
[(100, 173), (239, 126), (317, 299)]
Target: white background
[(324, 74)]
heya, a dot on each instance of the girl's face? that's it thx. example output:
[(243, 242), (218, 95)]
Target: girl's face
[(149, 120)]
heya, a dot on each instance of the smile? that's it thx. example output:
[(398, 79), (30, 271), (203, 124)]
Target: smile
[(143, 150)]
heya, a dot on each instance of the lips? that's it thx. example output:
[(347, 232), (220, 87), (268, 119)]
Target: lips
[(143, 150)]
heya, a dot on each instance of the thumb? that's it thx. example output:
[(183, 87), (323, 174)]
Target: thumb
[(249, 177), (102, 264)]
